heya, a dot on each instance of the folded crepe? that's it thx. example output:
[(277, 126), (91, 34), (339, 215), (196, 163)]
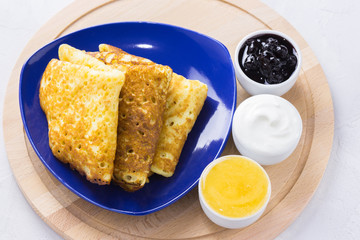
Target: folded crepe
[(81, 107), (141, 108), (184, 102)]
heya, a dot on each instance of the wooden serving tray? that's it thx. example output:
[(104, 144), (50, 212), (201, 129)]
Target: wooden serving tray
[(293, 181)]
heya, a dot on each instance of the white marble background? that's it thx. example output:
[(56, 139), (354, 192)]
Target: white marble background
[(332, 30)]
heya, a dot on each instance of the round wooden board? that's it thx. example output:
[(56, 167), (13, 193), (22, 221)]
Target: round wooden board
[(293, 181)]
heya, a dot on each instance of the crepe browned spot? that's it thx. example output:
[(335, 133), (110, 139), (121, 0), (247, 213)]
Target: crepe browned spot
[(185, 100), (81, 107)]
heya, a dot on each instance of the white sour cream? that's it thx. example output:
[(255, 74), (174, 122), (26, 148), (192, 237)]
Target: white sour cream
[(266, 128)]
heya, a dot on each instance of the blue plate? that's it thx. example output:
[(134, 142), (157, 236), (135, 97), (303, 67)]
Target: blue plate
[(188, 53)]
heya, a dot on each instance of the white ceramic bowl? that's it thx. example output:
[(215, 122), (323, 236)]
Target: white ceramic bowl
[(254, 88), (229, 222), (266, 128)]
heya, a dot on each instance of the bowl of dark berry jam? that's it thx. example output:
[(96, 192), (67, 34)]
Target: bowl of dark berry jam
[(267, 62)]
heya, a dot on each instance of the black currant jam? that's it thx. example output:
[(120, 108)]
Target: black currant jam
[(268, 59)]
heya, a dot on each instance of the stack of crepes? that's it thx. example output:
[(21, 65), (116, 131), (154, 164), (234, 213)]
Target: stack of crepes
[(116, 116)]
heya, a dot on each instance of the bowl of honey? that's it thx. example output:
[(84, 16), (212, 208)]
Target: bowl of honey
[(234, 191)]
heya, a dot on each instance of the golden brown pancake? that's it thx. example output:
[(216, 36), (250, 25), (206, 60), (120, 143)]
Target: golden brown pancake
[(141, 108), (146, 85), (184, 102), (81, 107)]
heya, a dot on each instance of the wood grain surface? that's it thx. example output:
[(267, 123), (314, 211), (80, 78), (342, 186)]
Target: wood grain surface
[(293, 181)]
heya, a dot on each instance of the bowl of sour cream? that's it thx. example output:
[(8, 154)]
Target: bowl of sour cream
[(266, 128)]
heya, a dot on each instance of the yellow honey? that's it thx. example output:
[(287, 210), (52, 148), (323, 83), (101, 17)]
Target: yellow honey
[(235, 187)]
